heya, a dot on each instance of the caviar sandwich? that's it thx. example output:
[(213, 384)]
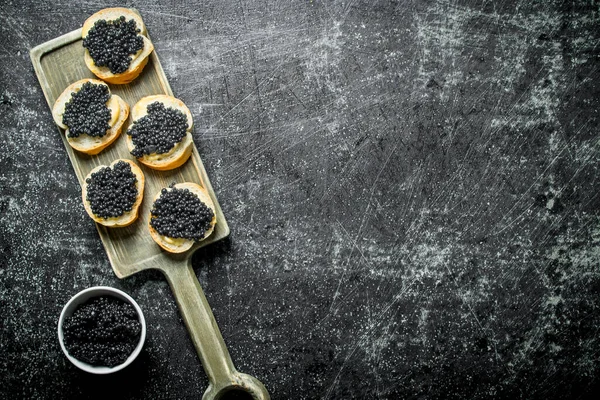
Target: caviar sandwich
[(116, 46), (112, 194), (160, 134), (181, 215), (91, 116)]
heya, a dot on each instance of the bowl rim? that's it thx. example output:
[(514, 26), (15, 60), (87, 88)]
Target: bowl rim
[(82, 297)]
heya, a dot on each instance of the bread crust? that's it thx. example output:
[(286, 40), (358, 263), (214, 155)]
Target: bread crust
[(182, 245), (128, 217), (182, 150), (92, 144), (138, 60)]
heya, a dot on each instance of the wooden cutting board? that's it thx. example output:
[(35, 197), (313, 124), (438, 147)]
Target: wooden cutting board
[(58, 63)]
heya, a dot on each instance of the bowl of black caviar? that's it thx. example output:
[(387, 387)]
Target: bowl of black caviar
[(101, 330)]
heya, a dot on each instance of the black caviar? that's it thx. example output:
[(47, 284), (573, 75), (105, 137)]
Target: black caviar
[(178, 213), (111, 43), (104, 331), (112, 191), (86, 112), (158, 131)]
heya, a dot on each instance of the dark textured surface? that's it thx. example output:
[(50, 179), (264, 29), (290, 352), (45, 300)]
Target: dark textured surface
[(412, 190)]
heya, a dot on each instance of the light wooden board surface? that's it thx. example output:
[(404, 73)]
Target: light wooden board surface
[(58, 63)]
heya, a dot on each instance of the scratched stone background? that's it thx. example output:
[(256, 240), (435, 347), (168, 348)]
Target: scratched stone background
[(412, 189)]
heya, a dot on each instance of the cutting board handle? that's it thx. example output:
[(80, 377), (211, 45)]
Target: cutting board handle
[(205, 334)]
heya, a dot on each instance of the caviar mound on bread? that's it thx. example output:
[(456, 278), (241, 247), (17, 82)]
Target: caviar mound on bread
[(116, 46), (112, 194), (91, 116), (181, 215), (160, 134)]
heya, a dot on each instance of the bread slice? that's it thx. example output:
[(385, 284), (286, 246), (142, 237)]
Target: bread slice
[(179, 245), (92, 144), (179, 154), (129, 216), (138, 60)]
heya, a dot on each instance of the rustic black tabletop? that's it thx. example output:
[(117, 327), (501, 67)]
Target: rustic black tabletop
[(412, 189)]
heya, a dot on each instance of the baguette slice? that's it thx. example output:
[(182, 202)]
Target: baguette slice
[(138, 60), (92, 144), (179, 245), (179, 154), (129, 216)]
